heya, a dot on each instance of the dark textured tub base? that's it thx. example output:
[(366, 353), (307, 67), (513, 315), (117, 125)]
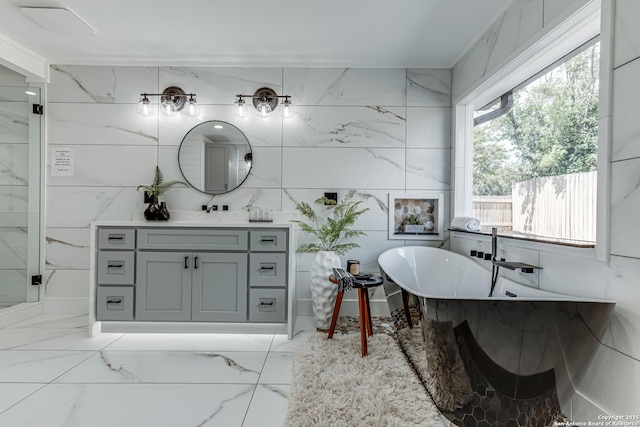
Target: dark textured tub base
[(487, 406)]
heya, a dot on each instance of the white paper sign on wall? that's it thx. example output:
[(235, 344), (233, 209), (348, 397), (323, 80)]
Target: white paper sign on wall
[(62, 162)]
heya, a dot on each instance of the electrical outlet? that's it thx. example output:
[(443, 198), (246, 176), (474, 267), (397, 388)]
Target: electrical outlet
[(331, 196), (225, 207)]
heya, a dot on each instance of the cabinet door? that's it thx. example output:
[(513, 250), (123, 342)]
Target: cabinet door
[(163, 286), (219, 287)]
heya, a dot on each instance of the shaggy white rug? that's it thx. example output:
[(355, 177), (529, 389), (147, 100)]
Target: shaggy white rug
[(334, 386)]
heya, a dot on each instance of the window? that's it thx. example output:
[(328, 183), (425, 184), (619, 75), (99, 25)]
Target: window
[(535, 153)]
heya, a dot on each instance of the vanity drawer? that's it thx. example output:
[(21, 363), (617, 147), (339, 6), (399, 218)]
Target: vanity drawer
[(114, 303), (205, 239), (268, 240), (267, 269), (267, 305), (116, 238), (116, 268)]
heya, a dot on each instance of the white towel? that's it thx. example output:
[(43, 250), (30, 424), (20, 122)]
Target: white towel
[(465, 223)]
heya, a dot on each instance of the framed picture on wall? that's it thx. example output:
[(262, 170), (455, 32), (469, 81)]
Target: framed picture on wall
[(416, 217)]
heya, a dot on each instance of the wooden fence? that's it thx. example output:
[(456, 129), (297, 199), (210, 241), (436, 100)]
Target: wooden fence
[(562, 206)]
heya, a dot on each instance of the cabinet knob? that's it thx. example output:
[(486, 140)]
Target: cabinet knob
[(186, 262), (195, 263)]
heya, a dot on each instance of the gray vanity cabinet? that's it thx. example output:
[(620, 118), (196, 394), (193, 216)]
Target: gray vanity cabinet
[(163, 286), (199, 286), (192, 274)]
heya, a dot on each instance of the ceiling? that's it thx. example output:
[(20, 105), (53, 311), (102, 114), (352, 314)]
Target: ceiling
[(321, 33)]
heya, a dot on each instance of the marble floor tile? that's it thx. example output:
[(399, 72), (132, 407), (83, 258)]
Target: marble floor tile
[(55, 321), (140, 405), (53, 374), (277, 369), (168, 367), (193, 342), (56, 339), (36, 365), (268, 406), (12, 393)]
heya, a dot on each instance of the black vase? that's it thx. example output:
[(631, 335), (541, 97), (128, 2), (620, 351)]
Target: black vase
[(163, 213), (153, 209)]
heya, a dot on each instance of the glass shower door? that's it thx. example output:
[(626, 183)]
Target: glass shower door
[(19, 194)]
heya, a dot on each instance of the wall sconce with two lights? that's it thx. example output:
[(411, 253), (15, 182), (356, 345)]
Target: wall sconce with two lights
[(173, 100)]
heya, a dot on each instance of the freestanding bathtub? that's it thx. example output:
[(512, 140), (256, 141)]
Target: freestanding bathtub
[(509, 354)]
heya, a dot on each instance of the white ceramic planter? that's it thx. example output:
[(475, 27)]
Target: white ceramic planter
[(323, 292)]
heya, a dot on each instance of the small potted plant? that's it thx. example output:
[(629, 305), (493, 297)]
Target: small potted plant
[(412, 224), (330, 235), (158, 211)]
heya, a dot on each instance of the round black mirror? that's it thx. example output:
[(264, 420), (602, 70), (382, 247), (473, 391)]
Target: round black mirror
[(215, 157)]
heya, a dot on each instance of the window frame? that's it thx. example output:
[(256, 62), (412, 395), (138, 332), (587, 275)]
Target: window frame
[(521, 66)]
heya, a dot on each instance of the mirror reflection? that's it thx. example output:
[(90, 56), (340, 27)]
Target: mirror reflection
[(215, 157)]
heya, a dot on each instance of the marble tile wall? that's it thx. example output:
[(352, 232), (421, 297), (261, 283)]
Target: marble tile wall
[(515, 30), (574, 271), (372, 130)]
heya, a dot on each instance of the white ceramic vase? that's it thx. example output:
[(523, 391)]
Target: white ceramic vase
[(323, 292)]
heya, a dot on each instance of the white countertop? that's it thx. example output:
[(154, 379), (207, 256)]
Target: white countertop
[(203, 219)]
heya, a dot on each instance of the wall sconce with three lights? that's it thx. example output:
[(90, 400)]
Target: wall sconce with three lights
[(173, 100), (265, 101)]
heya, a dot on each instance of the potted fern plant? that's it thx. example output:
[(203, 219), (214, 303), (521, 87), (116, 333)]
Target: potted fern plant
[(331, 235), (155, 210)]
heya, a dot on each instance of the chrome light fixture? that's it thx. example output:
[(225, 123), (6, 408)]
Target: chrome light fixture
[(172, 100), (265, 101)]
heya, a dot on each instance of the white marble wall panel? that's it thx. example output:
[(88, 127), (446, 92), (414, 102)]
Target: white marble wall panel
[(346, 86), (220, 85), (428, 87), (626, 36), (511, 32), (428, 169), (67, 248), (260, 132), (376, 201), (13, 199), (14, 122), (572, 275), (428, 127), (239, 199), (366, 168), (13, 285), (625, 131), (14, 164), (104, 165), (369, 126), (625, 202), (80, 206), (553, 9), (13, 248), (100, 84), (616, 387), (74, 123), (67, 283), (622, 286)]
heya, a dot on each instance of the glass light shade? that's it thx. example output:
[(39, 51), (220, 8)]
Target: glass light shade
[(287, 113), (144, 107), (241, 110), (264, 109), (192, 108), (169, 108)]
